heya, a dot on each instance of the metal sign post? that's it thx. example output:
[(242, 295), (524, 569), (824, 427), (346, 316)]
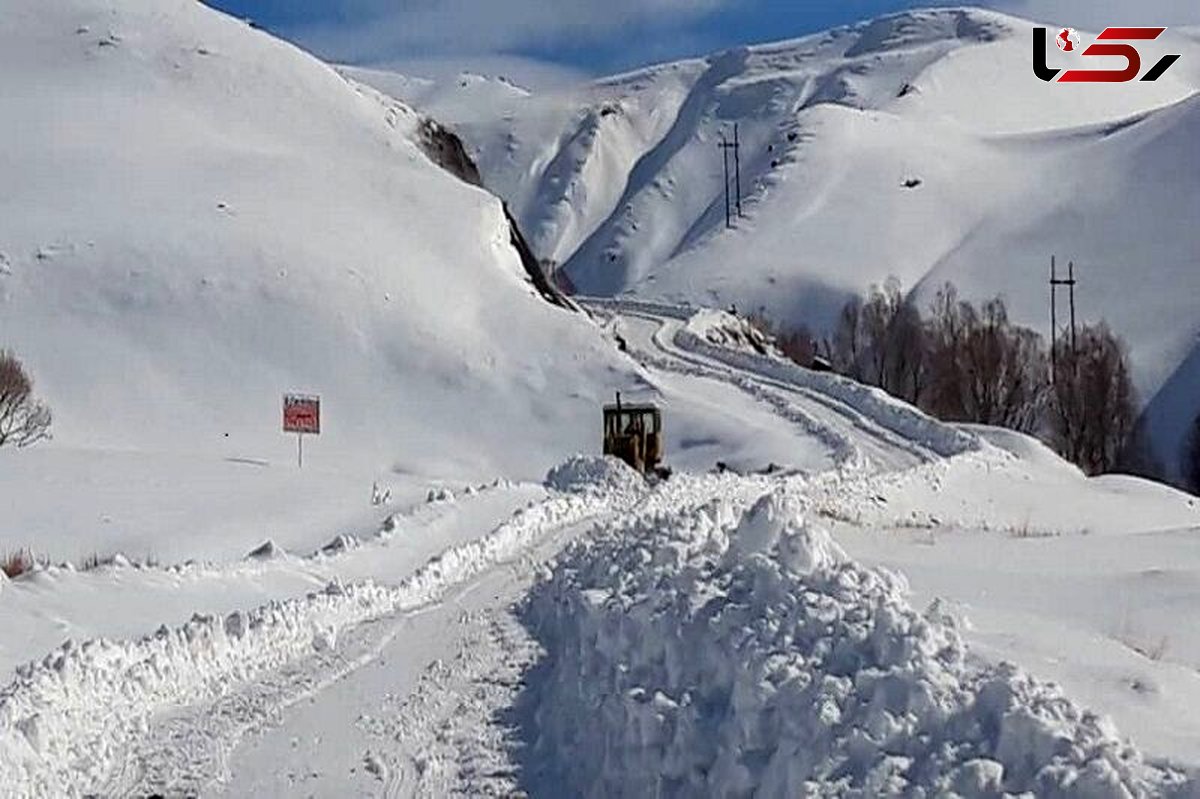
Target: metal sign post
[(301, 414)]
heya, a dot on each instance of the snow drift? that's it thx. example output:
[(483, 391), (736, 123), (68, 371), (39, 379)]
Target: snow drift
[(698, 654)]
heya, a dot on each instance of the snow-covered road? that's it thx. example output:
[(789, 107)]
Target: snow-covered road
[(858, 440), (422, 663)]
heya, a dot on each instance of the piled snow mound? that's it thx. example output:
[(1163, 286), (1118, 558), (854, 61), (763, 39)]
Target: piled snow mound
[(590, 474), (776, 525), (693, 654), (723, 329)]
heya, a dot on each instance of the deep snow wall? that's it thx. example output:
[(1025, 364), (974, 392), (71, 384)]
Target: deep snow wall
[(703, 653)]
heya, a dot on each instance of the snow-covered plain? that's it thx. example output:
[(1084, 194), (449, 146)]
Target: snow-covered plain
[(834, 595), (919, 145)]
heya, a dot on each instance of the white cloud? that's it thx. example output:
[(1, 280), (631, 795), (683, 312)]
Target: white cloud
[(383, 29)]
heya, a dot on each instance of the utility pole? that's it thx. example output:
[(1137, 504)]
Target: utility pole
[(1053, 320), (1055, 282), (726, 145), (1071, 286), (737, 161)]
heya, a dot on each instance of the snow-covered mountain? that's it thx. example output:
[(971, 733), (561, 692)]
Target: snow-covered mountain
[(197, 217), (919, 145)]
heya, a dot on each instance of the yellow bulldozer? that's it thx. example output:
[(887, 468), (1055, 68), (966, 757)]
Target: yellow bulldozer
[(634, 433)]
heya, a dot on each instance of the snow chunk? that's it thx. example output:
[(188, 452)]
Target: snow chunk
[(723, 329), (268, 550), (585, 474), (776, 525), (343, 543), (437, 495)]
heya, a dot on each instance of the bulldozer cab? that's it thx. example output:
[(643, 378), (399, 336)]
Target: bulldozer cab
[(634, 433)]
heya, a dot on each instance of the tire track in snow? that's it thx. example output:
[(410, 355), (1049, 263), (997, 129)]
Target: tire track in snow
[(112, 717), (456, 730), (858, 443)]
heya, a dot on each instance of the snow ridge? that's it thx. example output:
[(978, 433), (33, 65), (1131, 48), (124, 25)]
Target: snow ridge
[(697, 653), (886, 411)]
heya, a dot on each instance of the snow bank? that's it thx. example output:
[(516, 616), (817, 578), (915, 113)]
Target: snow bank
[(698, 654), (66, 720), (588, 474), (886, 411), (723, 329), (682, 312)]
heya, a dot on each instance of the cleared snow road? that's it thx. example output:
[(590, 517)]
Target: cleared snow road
[(652, 333)]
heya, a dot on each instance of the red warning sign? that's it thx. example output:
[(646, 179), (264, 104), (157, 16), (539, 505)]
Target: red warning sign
[(301, 414)]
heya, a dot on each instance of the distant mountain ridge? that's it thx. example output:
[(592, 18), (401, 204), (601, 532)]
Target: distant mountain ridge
[(918, 145)]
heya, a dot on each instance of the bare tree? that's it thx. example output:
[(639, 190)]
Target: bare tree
[(1094, 405), (982, 368), (1191, 459), (1004, 370), (882, 342), (798, 345), (951, 321), (23, 420), (849, 347), (795, 342)]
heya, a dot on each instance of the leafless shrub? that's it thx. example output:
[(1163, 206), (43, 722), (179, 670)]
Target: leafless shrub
[(882, 342), (984, 369), (1093, 409), (14, 564), (969, 364), (795, 342), (798, 345), (23, 420), (759, 321)]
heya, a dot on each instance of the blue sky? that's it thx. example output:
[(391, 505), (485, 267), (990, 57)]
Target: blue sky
[(548, 40)]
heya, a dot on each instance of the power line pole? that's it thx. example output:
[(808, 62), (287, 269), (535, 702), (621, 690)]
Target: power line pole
[(726, 145), (737, 160), (1055, 282), (1071, 285), (1053, 320)]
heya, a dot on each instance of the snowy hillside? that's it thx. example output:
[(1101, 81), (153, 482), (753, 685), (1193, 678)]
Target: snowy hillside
[(198, 217), (919, 145), (833, 594), (898, 608)]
